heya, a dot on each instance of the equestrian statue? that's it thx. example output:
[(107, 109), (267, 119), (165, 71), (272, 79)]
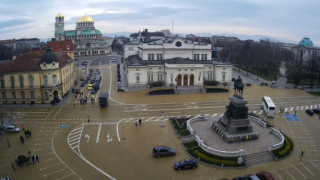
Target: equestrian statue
[(238, 86)]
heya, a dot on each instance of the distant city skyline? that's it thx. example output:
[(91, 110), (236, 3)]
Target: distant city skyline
[(282, 20)]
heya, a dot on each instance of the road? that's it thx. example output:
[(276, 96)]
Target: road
[(110, 146)]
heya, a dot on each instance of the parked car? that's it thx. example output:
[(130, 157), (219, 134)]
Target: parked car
[(97, 86), (12, 129), (186, 164), (262, 175), (239, 178), (81, 79), (92, 81), (251, 177), (159, 151), (309, 111), (83, 84), (84, 63), (317, 111), (77, 91), (93, 91), (98, 81)]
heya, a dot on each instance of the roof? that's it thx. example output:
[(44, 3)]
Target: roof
[(49, 56), (70, 33), (59, 15), (85, 18), (26, 62), (63, 59), (65, 45), (306, 42)]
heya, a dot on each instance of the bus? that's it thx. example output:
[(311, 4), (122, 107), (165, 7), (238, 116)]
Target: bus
[(268, 106)]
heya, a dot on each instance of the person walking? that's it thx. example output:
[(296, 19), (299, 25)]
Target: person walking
[(32, 159), (21, 139), (28, 160), (74, 104), (136, 123), (140, 121), (8, 143), (29, 152), (14, 169), (37, 158), (302, 151), (88, 119)]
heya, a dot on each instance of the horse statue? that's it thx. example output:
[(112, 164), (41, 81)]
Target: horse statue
[(238, 86)]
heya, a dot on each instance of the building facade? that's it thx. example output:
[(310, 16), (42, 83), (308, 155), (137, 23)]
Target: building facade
[(305, 50), (86, 38), (34, 78), (173, 61)]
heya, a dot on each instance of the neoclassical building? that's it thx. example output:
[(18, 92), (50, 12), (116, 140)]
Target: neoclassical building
[(34, 78), (174, 61), (86, 38), (305, 50)]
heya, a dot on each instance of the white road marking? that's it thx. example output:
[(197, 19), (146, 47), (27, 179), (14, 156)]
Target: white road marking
[(98, 135), (299, 172), (307, 169), (289, 174), (148, 119), (51, 166), (64, 176), (109, 138), (85, 136)]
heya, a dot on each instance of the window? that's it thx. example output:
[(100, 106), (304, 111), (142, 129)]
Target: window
[(3, 95), (159, 56), (45, 80), (13, 94), (159, 77), (150, 56), (137, 79), (21, 82), (203, 56), (2, 83), (32, 94), (130, 48), (46, 96), (22, 95), (223, 77), (150, 78), (210, 77), (54, 80), (31, 81), (12, 82), (196, 57)]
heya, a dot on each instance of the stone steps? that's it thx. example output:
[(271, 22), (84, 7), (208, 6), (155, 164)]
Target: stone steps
[(258, 158)]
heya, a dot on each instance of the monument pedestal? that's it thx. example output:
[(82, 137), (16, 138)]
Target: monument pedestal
[(234, 125)]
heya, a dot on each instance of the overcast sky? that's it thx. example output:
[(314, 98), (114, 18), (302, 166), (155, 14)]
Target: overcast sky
[(282, 19)]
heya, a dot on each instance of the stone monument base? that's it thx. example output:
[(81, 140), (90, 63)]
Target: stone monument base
[(230, 138)]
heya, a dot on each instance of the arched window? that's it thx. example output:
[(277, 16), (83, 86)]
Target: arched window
[(46, 96), (21, 81), (54, 80), (31, 80), (12, 81), (45, 80)]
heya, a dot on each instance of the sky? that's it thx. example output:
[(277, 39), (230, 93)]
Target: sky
[(280, 19)]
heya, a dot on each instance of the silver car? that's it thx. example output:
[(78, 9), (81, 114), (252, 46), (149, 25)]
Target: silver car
[(12, 129)]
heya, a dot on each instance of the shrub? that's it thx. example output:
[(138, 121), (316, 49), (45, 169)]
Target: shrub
[(120, 90), (248, 84), (285, 149), (161, 91), (216, 90), (156, 84), (211, 83)]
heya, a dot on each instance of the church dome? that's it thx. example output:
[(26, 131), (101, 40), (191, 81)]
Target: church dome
[(85, 18), (59, 15), (49, 56), (306, 42)]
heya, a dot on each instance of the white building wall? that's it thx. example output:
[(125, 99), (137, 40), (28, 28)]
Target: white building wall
[(130, 49)]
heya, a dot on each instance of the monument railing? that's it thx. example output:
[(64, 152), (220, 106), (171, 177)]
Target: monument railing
[(258, 120), (278, 145), (207, 148), (218, 152)]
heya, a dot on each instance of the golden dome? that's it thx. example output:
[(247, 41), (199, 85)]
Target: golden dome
[(59, 15), (85, 18)]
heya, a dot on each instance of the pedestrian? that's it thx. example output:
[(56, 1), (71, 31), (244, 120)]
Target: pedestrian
[(37, 158), (88, 119), (302, 152), (8, 143), (29, 152), (23, 127), (14, 169), (28, 160), (295, 112), (140, 121), (136, 123), (74, 104), (33, 159), (21, 139)]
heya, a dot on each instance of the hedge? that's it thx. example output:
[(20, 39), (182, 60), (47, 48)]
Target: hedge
[(161, 91), (285, 149), (216, 90)]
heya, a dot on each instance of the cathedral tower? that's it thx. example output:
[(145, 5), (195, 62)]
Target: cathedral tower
[(59, 27)]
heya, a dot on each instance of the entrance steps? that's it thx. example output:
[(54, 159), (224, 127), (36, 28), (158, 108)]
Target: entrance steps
[(258, 158)]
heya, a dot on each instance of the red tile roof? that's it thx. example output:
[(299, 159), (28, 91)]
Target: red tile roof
[(65, 45), (26, 62), (30, 62)]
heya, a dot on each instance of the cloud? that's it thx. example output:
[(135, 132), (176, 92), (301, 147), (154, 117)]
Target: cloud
[(13, 22)]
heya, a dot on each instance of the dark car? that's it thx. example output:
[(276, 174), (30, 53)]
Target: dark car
[(93, 91), (317, 111), (159, 151), (97, 86), (83, 84), (81, 78), (84, 63), (262, 175), (186, 164), (92, 81), (309, 111), (98, 81), (77, 91)]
